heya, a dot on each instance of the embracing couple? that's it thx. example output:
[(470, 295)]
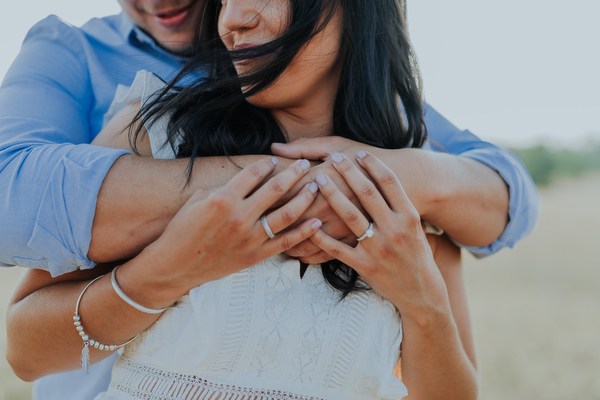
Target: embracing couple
[(273, 210)]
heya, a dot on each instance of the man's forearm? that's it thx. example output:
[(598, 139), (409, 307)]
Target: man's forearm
[(139, 196), (465, 198)]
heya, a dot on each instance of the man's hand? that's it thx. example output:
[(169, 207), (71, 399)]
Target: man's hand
[(320, 149)]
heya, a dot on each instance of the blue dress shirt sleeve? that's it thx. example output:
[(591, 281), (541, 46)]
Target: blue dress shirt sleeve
[(524, 201), (49, 176)]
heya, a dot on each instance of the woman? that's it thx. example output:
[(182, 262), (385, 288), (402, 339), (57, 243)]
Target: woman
[(294, 102)]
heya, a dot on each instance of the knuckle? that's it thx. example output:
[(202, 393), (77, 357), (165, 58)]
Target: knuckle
[(350, 217), (220, 201), (277, 186), (388, 178), (368, 190), (237, 221), (288, 216), (200, 194), (413, 219), (255, 171), (286, 243)]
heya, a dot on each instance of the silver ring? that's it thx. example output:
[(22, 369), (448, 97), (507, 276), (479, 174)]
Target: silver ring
[(368, 233), (265, 225)]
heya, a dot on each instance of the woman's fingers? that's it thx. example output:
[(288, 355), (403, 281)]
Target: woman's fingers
[(250, 177), (365, 190), (386, 180), (335, 248), (277, 186), (286, 240), (286, 215), (343, 207)]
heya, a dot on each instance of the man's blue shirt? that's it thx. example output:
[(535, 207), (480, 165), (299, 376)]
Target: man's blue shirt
[(52, 103)]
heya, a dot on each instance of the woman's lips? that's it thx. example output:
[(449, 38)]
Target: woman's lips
[(247, 60), (173, 19)]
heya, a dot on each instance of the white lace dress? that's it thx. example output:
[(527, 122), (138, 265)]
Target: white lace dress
[(262, 333)]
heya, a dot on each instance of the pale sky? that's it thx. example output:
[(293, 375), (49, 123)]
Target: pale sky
[(513, 71)]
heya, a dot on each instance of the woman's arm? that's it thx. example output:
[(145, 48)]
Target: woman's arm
[(442, 365), (212, 236), (41, 337), (398, 263), (448, 258)]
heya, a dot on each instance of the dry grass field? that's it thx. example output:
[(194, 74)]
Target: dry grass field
[(536, 309)]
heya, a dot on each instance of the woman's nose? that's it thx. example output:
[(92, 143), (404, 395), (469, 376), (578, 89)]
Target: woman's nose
[(239, 14)]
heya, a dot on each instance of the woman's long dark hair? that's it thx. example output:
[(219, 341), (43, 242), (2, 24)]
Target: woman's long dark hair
[(378, 100)]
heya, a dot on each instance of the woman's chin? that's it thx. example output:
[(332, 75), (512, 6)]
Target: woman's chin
[(259, 99)]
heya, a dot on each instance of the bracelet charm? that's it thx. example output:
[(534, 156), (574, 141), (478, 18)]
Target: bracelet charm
[(87, 342)]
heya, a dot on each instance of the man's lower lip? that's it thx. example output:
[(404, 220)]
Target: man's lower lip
[(173, 21)]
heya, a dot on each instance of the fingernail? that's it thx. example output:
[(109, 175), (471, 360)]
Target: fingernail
[(361, 154), (316, 225), (275, 161), (337, 157), (277, 144), (321, 179), (305, 165), (313, 187)]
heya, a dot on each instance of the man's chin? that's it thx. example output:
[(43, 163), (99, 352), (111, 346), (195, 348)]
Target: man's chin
[(176, 47)]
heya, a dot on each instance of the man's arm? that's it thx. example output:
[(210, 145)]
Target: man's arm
[(53, 182), (524, 203), (139, 196)]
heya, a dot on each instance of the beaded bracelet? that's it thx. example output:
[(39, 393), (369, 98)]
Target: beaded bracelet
[(85, 353)]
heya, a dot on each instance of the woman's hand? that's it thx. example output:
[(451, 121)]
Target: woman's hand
[(217, 235), (396, 261), (319, 149)]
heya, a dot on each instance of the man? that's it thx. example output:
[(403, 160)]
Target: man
[(74, 203)]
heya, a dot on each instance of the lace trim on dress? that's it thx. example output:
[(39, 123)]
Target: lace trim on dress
[(140, 381)]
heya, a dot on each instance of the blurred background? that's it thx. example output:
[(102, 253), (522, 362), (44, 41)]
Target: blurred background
[(522, 74)]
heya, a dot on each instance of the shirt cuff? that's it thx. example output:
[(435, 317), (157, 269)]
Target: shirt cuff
[(63, 227), (524, 203)]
